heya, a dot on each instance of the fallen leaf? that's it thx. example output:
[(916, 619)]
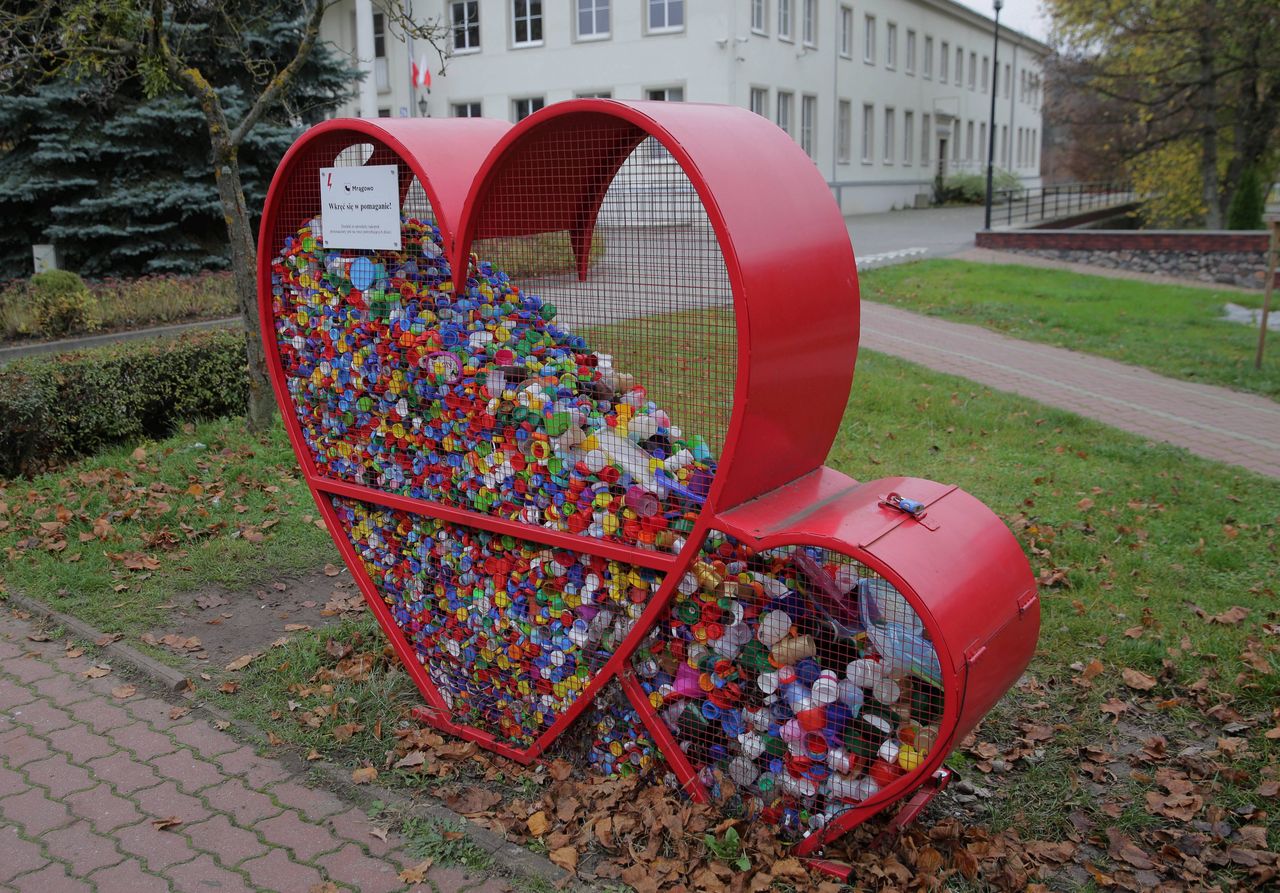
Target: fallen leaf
[(566, 857), (1229, 617), (538, 823), (473, 800), (106, 639), (39, 636), (221, 724), (560, 770), (241, 662), (229, 688), (178, 712), (314, 755), (1122, 848), (205, 602), (73, 652), (332, 570), (345, 731), (364, 775), (418, 873), (124, 691), (412, 760), (380, 833), (296, 627), (1138, 680), (164, 824), (324, 887), (97, 671)]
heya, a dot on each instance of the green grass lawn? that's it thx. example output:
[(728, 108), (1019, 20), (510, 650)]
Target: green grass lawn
[(1153, 561), (1173, 330)]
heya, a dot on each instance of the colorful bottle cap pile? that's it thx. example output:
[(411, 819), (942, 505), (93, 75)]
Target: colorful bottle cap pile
[(796, 681), (510, 631), (477, 400), (620, 745)]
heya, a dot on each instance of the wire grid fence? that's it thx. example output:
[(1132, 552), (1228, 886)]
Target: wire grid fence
[(510, 631), (796, 681), (586, 391)]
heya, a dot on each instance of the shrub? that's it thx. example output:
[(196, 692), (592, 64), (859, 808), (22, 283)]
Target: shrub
[(57, 407), (1248, 203), (62, 303), (971, 189)]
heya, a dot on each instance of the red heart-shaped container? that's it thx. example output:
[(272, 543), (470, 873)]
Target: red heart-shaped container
[(573, 427)]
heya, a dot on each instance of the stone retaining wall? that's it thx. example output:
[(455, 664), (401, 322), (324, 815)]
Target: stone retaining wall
[(1231, 258)]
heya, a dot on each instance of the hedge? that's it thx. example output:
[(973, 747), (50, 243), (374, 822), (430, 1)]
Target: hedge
[(56, 407)]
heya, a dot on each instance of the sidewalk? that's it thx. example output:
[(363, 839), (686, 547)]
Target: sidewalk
[(1214, 422), (87, 774)]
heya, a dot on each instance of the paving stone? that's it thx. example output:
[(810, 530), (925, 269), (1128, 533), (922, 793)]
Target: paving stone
[(351, 866), (104, 809), (125, 773), (165, 800), (234, 798), (276, 871), (11, 782), (19, 747), (204, 739), (190, 773), (29, 668), (257, 772), (53, 878), (203, 875), (141, 740), (81, 848), (492, 885), (305, 839), (230, 843), (155, 711), (158, 849), (19, 855), (355, 825), (101, 715), (13, 694), (62, 690), (128, 877), (313, 804), (81, 743), (41, 717), (59, 775), (34, 812)]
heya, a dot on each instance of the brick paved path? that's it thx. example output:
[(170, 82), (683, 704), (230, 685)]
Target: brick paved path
[(1214, 422), (83, 776)]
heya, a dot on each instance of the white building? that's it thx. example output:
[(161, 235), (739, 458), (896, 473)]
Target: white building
[(882, 94)]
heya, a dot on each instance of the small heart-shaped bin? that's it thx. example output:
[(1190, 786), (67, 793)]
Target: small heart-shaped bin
[(565, 416)]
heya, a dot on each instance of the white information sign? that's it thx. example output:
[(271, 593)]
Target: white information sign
[(360, 207)]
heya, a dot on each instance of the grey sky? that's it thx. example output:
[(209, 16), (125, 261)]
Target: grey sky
[(1023, 15)]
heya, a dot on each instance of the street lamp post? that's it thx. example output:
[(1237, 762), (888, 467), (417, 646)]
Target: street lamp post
[(991, 135)]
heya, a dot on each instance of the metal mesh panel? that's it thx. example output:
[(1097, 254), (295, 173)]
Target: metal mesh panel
[(796, 681), (510, 631), (594, 406), (620, 744)]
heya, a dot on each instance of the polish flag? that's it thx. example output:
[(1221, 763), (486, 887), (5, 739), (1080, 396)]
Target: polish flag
[(422, 73)]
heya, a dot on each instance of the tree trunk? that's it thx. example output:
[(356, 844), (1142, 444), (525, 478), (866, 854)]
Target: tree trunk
[(260, 411), (1208, 112)]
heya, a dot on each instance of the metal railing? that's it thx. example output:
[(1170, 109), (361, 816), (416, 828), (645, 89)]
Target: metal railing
[(1048, 202)]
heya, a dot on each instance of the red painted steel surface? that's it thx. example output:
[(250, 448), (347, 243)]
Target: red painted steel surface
[(788, 258)]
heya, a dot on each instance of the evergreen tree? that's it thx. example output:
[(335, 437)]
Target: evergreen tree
[(123, 184), (1248, 203)]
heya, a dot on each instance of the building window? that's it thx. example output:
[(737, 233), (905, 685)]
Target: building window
[(968, 142), (1008, 79), (889, 118), (928, 57), (944, 63), (1034, 147), (982, 142), (665, 94), (869, 41), (380, 72), (784, 19), (810, 32), (973, 70), (926, 137), (384, 113), (666, 15), (846, 31), (594, 94), (955, 144), (1022, 85), (593, 19), (908, 137), (466, 109), (1004, 145), (868, 133), (809, 124), (760, 16), (845, 146), (986, 72), (465, 20), (760, 101), (526, 23), (523, 108), (959, 65), (785, 101), (891, 46), (910, 67)]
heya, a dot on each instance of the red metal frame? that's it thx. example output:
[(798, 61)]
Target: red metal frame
[(791, 268)]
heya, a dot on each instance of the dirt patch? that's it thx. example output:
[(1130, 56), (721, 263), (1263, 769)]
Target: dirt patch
[(217, 625)]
